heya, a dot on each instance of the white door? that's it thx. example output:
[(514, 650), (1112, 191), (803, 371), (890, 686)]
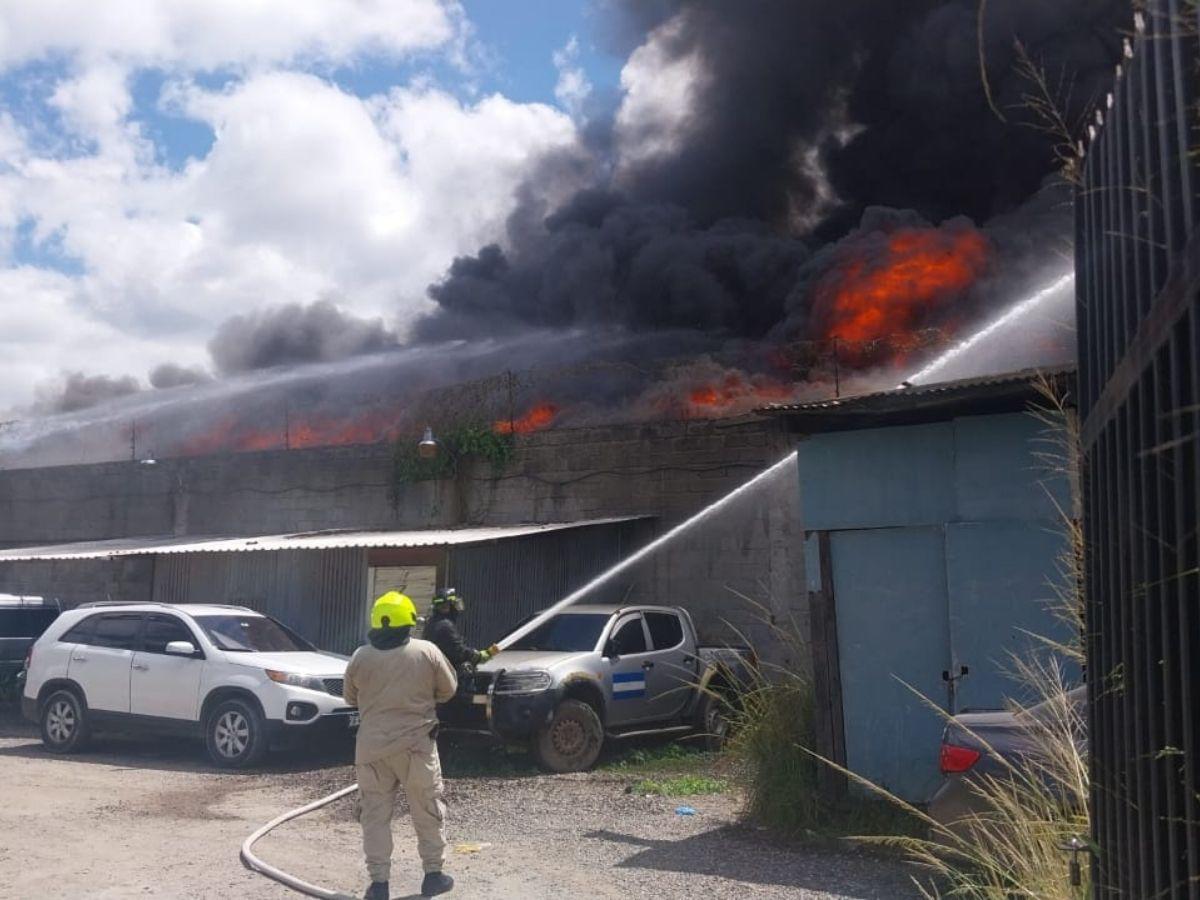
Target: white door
[(102, 658), (162, 685)]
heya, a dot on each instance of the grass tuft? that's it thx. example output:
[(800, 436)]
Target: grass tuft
[(770, 753), (657, 757), (682, 786)]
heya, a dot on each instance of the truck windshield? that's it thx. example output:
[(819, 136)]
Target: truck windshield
[(245, 634), (25, 622), (565, 633)]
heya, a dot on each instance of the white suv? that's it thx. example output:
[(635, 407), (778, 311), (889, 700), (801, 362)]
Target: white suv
[(241, 679)]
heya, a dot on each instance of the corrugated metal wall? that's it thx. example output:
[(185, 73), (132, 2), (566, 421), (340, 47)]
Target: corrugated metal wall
[(320, 593), (506, 581), (323, 593), (1138, 286)]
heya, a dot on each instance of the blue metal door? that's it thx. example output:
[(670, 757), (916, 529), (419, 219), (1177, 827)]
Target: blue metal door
[(893, 639), (1003, 578)]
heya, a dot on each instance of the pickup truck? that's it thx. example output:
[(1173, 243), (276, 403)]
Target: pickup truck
[(590, 673)]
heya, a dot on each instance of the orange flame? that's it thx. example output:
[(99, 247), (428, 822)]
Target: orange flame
[(233, 435), (733, 390), (918, 271), (538, 418)]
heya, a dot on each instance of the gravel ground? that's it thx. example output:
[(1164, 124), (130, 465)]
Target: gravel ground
[(153, 821)]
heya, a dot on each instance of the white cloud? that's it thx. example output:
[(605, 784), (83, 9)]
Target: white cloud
[(573, 87), (307, 192), (661, 87), (208, 34)]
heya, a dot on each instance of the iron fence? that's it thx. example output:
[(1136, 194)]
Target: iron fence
[(1138, 282)]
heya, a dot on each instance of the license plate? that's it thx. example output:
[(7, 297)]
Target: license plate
[(479, 699), (352, 720)]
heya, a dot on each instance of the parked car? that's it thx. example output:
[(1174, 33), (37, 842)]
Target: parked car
[(591, 673), (22, 621), (242, 681), (1012, 738)]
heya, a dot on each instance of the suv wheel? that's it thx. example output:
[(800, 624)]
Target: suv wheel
[(571, 740), (235, 734), (64, 722)]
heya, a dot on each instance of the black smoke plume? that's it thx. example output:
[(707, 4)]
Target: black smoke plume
[(293, 334), (805, 114)]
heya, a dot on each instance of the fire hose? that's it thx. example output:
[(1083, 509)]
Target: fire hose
[(254, 864)]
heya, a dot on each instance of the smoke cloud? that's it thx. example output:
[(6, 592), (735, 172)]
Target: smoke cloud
[(172, 375), (294, 334), (78, 391)]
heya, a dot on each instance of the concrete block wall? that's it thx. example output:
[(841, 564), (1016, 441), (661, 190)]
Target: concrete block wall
[(73, 582), (668, 470)]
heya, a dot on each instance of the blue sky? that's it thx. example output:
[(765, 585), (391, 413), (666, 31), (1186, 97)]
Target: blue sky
[(515, 41), (523, 34)]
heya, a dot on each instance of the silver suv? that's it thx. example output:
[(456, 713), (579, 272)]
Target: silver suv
[(241, 680)]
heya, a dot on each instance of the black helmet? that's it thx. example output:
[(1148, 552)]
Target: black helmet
[(447, 599)]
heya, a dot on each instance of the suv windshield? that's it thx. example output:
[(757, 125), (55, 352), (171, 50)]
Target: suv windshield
[(245, 634), (564, 633)]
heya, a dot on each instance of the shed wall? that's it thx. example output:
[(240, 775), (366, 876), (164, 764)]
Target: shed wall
[(320, 593), (984, 506)]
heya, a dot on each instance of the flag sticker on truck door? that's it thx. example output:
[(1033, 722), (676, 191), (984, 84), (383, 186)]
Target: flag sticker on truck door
[(628, 685)]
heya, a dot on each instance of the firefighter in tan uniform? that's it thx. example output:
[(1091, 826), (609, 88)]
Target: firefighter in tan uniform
[(396, 682)]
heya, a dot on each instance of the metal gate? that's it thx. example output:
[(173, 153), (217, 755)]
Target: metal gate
[(1138, 275)]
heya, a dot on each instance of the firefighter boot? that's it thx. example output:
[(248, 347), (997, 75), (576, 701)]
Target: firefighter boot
[(436, 883)]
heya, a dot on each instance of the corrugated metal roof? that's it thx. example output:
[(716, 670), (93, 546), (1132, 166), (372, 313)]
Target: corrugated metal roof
[(320, 540), (964, 386)]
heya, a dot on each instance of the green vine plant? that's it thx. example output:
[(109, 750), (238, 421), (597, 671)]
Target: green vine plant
[(456, 444)]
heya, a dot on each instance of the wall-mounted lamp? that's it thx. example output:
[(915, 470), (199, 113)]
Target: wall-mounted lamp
[(428, 447)]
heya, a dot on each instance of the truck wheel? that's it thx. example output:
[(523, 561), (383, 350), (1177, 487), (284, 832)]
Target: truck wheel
[(712, 721), (571, 740), (235, 734), (64, 723)]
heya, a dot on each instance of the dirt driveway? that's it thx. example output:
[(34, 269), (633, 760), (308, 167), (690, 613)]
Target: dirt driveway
[(131, 820)]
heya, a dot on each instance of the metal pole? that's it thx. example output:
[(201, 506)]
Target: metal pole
[(837, 375)]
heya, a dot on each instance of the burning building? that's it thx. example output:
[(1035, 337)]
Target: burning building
[(837, 207), (835, 200), (309, 534)]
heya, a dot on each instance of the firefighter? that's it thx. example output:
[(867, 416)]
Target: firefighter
[(396, 681), (442, 629)]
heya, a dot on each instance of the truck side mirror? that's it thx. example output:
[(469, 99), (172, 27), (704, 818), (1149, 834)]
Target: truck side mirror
[(610, 650)]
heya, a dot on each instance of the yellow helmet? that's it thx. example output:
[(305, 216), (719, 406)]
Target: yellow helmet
[(393, 610)]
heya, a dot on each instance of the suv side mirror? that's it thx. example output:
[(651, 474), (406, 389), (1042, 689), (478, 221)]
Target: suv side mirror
[(180, 648), (610, 650)]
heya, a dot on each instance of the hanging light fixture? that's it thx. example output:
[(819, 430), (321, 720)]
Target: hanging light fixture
[(428, 447)]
